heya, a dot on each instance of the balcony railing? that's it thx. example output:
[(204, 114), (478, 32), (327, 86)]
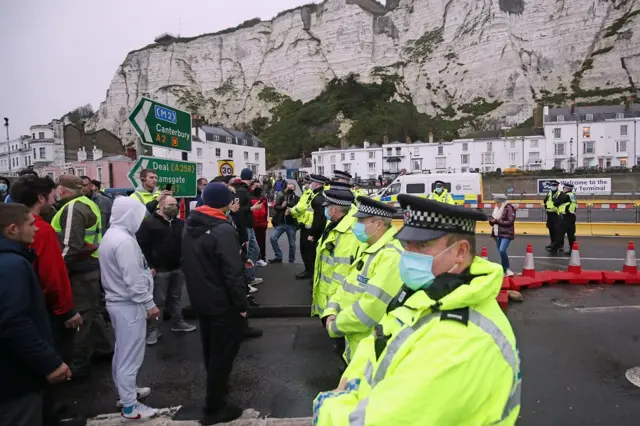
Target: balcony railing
[(43, 140)]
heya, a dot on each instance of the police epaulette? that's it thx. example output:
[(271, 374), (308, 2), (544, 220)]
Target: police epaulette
[(459, 315)]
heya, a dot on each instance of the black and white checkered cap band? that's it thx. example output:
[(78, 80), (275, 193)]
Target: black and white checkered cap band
[(438, 221), (317, 180), (337, 201), (373, 211)]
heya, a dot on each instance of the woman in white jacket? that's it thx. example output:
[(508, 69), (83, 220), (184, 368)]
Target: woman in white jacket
[(128, 287)]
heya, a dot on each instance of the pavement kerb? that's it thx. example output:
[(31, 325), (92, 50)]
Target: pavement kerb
[(270, 311)]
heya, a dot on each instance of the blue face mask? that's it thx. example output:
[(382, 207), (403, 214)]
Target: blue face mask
[(439, 190), (3, 187), (416, 269), (554, 188), (326, 213), (359, 232)]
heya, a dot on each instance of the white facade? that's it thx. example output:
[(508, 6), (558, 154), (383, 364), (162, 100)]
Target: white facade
[(207, 149), (43, 147), (359, 162)]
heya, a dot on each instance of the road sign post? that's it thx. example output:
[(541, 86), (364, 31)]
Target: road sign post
[(181, 174), (225, 167), (161, 125)]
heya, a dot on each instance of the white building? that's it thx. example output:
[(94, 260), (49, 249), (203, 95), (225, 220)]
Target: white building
[(42, 148), (584, 137), (212, 144)]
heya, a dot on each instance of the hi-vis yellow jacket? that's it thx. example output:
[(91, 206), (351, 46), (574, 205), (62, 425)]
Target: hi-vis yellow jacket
[(443, 197), (454, 366), (362, 299), (300, 210), (334, 255)]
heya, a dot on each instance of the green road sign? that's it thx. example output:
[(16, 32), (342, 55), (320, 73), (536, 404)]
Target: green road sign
[(180, 174), (161, 125)]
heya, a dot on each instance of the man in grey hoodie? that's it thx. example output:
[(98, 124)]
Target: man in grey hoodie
[(128, 287)]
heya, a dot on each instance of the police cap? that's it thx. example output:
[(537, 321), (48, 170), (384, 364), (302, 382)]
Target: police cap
[(426, 220), (368, 208), (339, 186), (438, 183), (554, 182), (568, 185), (338, 198), (319, 179), (339, 174)]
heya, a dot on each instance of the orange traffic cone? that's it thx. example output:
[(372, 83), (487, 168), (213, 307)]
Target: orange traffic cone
[(484, 253), (529, 268), (630, 263), (574, 260), (575, 274)]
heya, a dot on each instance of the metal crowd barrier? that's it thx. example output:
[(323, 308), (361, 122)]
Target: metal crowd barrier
[(585, 213)]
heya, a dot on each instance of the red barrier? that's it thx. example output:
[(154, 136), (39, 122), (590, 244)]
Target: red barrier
[(503, 299), (629, 273), (529, 277), (574, 273)]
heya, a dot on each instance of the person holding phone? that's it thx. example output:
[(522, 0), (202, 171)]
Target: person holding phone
[(260, 209)]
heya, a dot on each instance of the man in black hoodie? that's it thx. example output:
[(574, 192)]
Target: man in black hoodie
[(214, 272), (28, 358)]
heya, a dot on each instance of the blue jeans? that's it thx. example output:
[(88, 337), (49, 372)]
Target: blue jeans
[(502, 244), (253, 251), (291, 236)]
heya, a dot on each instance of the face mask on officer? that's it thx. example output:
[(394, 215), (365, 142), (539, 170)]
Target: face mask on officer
[(554, 188), (327, 213), (438, 189), (359, 230), (3, 188), (417, 261)]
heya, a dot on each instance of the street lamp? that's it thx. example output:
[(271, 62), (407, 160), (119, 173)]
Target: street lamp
[(6, 126), (571, 155)]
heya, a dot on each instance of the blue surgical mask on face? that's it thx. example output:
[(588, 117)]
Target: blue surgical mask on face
[(416, 269), (360, 232), (326, 213), (3, 187), (554, 188), (439, 190)]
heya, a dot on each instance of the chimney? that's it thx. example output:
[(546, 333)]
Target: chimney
[(430, 137), (131, 153), (82, 154), (572, 104), (385, 139), (366, 144), (343, 142), (97, 153), (408, 140)]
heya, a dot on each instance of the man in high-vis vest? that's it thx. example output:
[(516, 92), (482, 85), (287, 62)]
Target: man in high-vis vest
[(341, 185), (340, 176), (373, 279), (445, 354), (552, 211), (359, 191), (308, 213), (337, 249), (78, 224), (441, 194), (148, 192), (567, 205)]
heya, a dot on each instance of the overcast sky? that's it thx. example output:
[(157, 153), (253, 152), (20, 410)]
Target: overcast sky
[(60, 54)]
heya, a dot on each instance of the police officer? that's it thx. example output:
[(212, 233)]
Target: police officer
[(312, 223), (358, 190), (336, 246), (552, 211), (441, 194), (373, 279), (566, 205), (340, 176), (340, 185), (445, 353)]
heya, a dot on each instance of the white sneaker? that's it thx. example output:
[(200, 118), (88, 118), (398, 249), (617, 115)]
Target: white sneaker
[(252, 289), (140, 413), (509, 273), (256, 281), (261, 263), (142, 393)]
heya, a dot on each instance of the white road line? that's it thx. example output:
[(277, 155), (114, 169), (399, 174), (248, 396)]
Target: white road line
[(603, 259), (599, 309)]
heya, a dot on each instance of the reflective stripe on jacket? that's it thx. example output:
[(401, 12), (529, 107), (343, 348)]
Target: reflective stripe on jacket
[(569, 207), (548, 202), (92, 235), (362, 300), (144, 196), (456, 366), (331, 266)]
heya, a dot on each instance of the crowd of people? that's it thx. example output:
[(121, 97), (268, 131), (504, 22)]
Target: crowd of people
[(412, 312)]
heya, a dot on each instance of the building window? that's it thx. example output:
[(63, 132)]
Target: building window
[(257, 156), (99, 173), (623, 130), (534, 144), (513, 144), (52, 175), (388, 151), (586, 132), (465, 146), (352, 156), (441, 163), (244, 142), (441, 150), (416, 151), (588, 117), (621, 146), (199, 152), (320, 160), (557, 164), (512, 158), (332, 159), (371, 154), (489, 146), (372, 167), (228, 139), (80, 172), (320, 170), (254, 169), (198, 169), (608, 162), (35, 155), (394, 167), (342, 157), (398, 151), (416, 165), (246, 155), (560, 118), (43, 152), (559, 149), (217, 152), (464, 158), (586, 163), (333, 168), (623, 162), (557, 133), (589, 148), (620, 115), (33, 135), (230, 152), (347, 167), (40, 135), (487, 158)]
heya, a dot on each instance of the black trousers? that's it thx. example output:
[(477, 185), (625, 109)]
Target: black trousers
[(307, 251), (566, 226), (63, 340), (23, 411), (221, 338), (552, 226)]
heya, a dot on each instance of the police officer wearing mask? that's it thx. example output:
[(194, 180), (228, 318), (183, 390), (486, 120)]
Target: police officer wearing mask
[(445, 353), (552, 211), (566, 205), (440, 193), (4, 188)]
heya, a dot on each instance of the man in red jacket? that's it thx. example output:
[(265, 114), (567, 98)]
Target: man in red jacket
[(260, 219), (37, 193)]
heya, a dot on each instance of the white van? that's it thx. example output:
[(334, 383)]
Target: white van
[(465, 188)]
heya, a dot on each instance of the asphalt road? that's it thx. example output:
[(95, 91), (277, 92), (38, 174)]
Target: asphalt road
[(582, 215), (575, 342)]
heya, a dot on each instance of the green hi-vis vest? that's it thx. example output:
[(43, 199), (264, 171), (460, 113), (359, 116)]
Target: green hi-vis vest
[(145, 197), (569, 207), (93, 234), (551, 208)]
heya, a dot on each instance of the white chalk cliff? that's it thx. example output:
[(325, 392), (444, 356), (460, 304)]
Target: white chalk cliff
[(449, 52)]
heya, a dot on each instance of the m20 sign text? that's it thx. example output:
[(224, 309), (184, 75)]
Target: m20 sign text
[(161, 125)]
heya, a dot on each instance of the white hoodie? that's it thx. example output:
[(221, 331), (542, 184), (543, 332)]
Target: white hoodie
[(126, 277)]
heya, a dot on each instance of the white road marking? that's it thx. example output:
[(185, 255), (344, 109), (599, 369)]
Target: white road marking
[(600, 309), (603, 259)]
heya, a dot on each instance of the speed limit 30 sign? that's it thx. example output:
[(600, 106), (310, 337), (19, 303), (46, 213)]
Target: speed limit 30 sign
[(225, 168)]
